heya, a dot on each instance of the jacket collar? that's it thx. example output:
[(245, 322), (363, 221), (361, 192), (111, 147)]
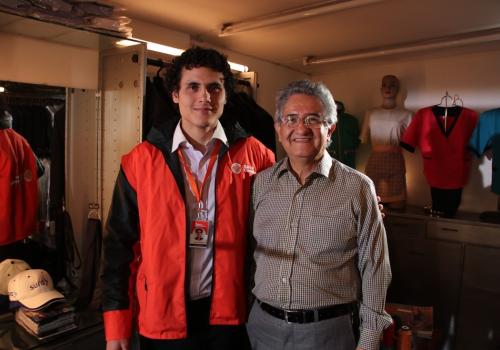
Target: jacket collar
[(162, 136)]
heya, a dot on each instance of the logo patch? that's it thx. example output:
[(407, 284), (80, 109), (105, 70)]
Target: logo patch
[(238, 168)]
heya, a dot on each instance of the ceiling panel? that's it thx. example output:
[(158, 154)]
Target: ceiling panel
[(369, 28), (381, 24)]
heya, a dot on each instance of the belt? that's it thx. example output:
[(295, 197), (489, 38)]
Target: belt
[(307, 316)]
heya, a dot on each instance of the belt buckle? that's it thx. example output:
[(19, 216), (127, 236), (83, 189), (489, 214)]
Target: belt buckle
[(286, 316)]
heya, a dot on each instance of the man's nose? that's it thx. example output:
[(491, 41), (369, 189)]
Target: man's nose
[(204, 94), (302, 127)]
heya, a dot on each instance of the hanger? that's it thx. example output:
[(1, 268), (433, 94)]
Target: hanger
[(445, 99), (158, 72), (456, 98)]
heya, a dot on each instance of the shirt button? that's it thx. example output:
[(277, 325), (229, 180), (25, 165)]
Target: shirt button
[(284, 280)]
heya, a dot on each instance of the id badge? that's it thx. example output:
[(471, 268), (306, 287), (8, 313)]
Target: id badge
[(198, 237)]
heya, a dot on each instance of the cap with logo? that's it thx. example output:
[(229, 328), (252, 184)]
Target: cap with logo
[(33, 289), (8, 269)]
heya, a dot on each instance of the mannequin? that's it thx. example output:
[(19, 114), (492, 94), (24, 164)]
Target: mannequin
[(384, 126)]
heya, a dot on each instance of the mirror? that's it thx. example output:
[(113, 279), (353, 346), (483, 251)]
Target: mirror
[(80, 96)]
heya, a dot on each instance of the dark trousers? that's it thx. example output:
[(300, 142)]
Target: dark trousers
[(201, 335), (446, 202)]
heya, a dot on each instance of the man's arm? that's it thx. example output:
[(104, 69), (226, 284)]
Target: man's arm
[(374, 269), (121, 235)]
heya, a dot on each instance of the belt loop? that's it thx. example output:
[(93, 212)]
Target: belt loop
[(286, 316), (316, 316)]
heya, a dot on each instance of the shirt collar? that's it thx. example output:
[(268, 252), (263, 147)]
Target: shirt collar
[(322, 168), (180, 139)]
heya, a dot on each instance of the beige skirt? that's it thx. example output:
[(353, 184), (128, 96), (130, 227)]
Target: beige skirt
[(387, 171)]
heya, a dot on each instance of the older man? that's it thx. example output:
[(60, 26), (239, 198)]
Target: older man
[(322, 266)]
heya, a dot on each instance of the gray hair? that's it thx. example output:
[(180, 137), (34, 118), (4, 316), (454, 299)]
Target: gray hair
[(306, 87)]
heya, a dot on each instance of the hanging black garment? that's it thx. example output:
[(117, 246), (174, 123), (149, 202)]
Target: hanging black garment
[(158, 106), (91, 251), (35, 124), (254, 119)]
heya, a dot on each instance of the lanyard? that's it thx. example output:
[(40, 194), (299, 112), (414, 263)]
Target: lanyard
[(192, 181)]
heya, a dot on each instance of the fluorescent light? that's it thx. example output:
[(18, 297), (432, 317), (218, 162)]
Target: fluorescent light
[(293, 14), (125, 43), (471, 38), (172, 51), (238, 67)]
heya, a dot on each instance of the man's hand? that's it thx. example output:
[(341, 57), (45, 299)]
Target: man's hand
[(380, 207), (120, 344)]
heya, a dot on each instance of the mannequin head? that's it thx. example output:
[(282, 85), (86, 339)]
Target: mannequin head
[(390, 87), (5, 119), (389, 90)]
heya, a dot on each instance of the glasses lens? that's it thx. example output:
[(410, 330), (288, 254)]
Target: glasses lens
[(292, 121), (313, 121)]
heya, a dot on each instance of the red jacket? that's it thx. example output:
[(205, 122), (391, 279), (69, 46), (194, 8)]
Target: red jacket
[(18, 188), (148, 208)]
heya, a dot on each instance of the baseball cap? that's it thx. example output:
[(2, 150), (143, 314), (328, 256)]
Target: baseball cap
[(33, 289), (8, 269)]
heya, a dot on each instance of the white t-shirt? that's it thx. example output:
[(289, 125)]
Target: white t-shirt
[(385, 125)]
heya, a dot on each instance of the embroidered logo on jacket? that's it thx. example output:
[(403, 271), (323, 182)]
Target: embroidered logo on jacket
[(237, 168)]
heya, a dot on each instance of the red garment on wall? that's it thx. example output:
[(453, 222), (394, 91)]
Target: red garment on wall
[(18, 188), (443, 145)]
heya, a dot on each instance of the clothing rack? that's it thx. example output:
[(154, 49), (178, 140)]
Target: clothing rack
[(155, 62)]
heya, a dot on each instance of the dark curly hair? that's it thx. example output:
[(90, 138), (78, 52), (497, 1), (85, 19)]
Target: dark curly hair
[(196, 57)]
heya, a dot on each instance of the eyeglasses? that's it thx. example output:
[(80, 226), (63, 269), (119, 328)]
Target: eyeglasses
[(311, 121)]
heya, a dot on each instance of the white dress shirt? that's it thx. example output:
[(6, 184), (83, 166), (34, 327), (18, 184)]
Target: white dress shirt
[(200, 259)]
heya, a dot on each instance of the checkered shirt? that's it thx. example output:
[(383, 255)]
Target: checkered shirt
[(322, 243)]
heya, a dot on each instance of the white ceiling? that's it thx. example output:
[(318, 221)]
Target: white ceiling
[(389, 23)]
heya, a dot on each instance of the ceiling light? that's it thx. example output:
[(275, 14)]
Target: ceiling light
[(296, 13), (172, 51), (169, 50), (238, 67), (479, 37), (125, 43)]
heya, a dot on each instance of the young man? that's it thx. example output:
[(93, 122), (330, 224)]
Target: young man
[(321, 249), (191, 176)]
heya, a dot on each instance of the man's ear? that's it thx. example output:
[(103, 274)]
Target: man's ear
[(277, 126), (331, 129), (175, 96)]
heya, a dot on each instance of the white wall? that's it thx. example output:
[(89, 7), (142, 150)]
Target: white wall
[(473, 76), (34, 61)]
